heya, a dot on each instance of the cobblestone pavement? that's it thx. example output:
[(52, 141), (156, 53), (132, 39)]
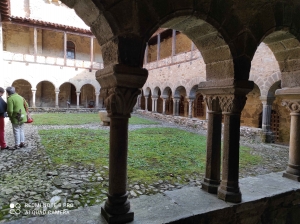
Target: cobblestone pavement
[(28, 176)]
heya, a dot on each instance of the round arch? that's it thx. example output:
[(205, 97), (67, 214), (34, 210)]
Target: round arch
[(24, 89), (67, 93), (45, 94)]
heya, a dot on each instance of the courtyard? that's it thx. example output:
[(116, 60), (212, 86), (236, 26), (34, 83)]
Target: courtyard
[(61, 164)]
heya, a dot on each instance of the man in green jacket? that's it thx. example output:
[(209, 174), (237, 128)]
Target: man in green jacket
[(17, 115)]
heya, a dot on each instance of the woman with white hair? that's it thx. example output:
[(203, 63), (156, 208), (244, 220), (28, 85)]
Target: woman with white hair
[(17, 115)]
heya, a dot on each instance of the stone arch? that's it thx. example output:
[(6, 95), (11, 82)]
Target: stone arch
[(167, 95), (193, 92), (45, 94), (286, 49), (87, 96), (67, 92), (157, 93), (23, 88), (93, 83), (179, 91)]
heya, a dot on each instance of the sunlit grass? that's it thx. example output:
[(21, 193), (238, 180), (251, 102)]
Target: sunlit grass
[(153, 153)]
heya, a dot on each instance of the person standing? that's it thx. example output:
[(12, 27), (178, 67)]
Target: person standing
[(17, 115), (3, 107)]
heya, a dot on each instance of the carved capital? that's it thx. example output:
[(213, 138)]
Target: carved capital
[(212, 103), (120, 101), (232, 103), (292, 105)]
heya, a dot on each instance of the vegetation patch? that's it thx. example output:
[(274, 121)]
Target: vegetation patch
[(153, 153)]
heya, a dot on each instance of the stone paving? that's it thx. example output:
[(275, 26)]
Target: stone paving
[(29, 177)]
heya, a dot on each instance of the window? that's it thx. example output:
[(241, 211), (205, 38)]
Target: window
[(70, 50)]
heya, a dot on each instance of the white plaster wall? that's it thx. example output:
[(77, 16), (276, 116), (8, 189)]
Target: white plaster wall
[(57, 75)]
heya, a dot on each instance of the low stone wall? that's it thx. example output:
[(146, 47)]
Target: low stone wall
[(249, 133)]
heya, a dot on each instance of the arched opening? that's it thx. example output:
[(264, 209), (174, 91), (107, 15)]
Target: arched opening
[(159, 102), (23, 88), (167, 94), (87, 96), (180, 93), (199, 107), (67, 93), (45, 94)]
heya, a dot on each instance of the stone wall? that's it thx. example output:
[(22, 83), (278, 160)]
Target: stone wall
[(248, 133), (19, 39)]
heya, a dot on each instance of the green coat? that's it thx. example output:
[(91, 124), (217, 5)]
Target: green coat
[(15, 103)]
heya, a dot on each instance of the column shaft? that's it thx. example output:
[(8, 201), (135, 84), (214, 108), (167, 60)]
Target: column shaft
[(33, 98), (211, 181), (164, 106), (97, 100), (146, 103), (190, 108), (293, 169), (56, 99), (77, 103)]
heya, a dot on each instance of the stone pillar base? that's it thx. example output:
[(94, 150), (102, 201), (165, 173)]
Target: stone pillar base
[(291, 176), (124, 218), (234, 195), (210, 186), (267, 137)]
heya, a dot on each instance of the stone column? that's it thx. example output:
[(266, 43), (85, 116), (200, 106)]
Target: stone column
[(267, 135), (211, 180), (77, 94), (119, 101), (33, 97), (190, 107), (231, 105), (177, 107), (153, 104), (164, 106), (293, 169), (291, 100), (174, 106), (56, 99), (97, 99), (154, 109), (146, 103)]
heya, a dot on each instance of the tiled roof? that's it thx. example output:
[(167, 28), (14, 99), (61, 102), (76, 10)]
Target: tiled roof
[(6, 17)]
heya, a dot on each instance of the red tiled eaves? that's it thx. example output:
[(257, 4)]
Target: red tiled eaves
[(4, 10), (33, 22)]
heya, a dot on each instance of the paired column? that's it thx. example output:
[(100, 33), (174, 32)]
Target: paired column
[(228, 96), (164, 106), (56, 99), (77, 94), (154, 104), (176, 106), (190, 107), (119, 101), (33, 97), (211, 180), (267, 135)]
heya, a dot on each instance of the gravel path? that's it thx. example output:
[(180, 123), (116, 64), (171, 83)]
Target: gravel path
[(28, 176)]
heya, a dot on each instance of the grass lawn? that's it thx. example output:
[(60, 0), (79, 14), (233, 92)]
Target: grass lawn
[(78, 119), (154, 153)]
